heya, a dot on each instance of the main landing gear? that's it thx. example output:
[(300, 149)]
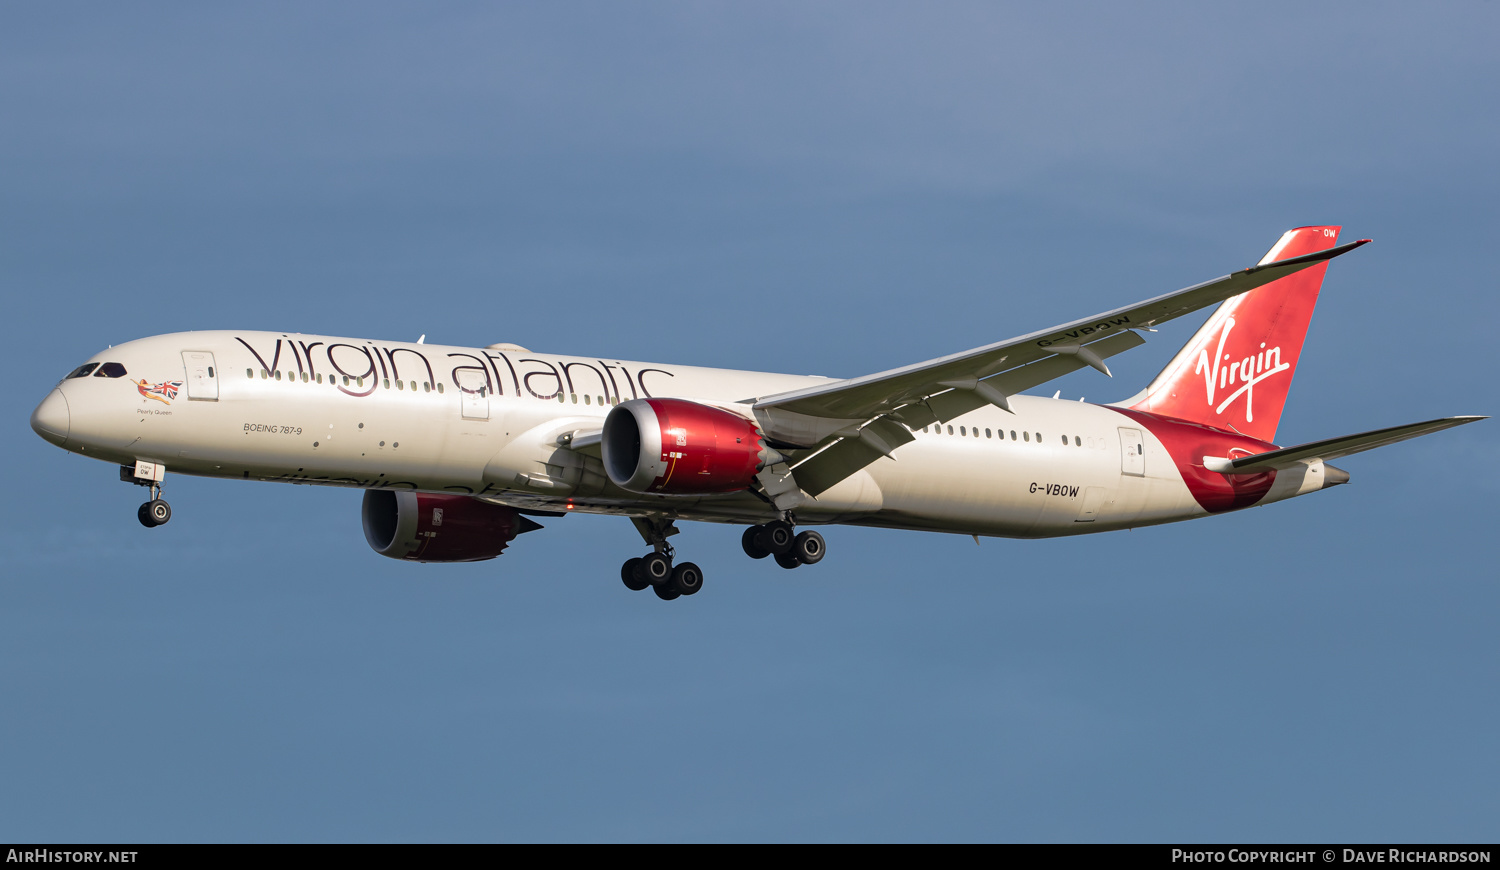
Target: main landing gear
[(780, 540), (655, 569)]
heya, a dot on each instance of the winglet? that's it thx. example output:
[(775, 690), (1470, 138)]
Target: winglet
[(1315, 257)]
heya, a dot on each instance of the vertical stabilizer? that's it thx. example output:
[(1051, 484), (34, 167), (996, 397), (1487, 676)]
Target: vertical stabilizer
[(1236, 371)]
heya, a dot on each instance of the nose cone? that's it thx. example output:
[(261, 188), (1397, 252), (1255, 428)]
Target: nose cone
[(50, 419)]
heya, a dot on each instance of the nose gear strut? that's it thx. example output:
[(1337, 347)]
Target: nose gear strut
[(155, 512)]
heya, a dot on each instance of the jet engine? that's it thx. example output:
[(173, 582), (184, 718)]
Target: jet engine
[(423, 527), (677, 447)]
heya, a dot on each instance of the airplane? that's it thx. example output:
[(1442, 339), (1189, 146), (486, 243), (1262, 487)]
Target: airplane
[(458, 448)]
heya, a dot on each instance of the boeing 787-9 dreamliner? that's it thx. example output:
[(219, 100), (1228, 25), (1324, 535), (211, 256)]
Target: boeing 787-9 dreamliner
[(457, 448)]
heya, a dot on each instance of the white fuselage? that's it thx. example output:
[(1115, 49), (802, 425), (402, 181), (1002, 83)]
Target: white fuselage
[(391, 415)]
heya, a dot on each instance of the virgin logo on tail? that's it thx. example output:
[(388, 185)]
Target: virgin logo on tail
[(1246, 372)]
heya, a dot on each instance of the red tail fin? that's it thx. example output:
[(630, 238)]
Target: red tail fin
[(1235, 372)]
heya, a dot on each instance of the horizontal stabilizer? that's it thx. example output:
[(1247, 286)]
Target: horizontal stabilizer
[(1333, 448)]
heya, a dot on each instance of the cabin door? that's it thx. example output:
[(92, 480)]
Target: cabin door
[(1132, 453), (202, 377), (474, 394)]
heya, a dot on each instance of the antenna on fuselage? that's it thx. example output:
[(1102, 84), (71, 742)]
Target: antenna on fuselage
[(422, 339)]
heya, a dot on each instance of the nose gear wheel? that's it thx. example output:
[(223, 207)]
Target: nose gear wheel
[(155, 512)]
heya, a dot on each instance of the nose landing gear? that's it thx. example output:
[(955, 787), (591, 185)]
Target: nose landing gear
[(155, 512)]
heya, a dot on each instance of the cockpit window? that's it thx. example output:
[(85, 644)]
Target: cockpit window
[(110, 370), (82, 371)]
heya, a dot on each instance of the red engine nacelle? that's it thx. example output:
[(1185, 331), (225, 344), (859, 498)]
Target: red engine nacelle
[(422, 527), (677, 447)]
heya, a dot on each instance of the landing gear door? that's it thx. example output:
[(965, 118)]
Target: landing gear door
[(474, 393), (1132, 453), (202, 377)]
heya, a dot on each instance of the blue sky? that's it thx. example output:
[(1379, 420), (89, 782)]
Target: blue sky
[(831, 189)]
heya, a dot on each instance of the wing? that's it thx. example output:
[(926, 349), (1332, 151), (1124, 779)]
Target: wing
[(858, 420), (865, 396), (1333, 448)]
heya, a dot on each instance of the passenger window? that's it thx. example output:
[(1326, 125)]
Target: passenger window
[(387, 383), (976, 431), (575, 398), (962, 431), (304, 376), (601, 400), (1065, 441), (250, 373), (398, 384), (1077, 442), (1026, 435), (440, 386), (986, 433), (320, 379), (586, 398), (1012, 434), (264, 374), (426, 386), (1038, 437), (359, 381), (110, 370), (82, 371), (278, 374), (950, 430), (210, 371)]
